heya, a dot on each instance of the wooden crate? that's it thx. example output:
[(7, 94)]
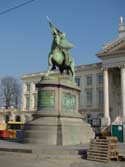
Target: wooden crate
[(103, 150)]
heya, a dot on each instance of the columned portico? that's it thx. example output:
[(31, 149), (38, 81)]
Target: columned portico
[(123, 89), (113, 57), (106, 96)]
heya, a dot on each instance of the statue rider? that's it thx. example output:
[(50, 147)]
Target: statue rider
[(57, 35)]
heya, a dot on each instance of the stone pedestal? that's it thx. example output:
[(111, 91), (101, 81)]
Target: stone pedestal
[(57, 121)]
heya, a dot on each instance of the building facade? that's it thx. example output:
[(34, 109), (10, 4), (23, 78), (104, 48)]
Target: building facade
[(88, 77), (102, 84)]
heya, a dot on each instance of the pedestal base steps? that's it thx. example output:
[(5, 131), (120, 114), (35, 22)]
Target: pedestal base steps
[(58, 131)]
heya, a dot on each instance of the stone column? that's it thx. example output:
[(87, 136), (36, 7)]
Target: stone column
[(106, 97), (32, 89), (95, 99), (23, 97), (123, 89)]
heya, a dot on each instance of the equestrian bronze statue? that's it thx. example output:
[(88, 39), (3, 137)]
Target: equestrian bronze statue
[(59, 55)]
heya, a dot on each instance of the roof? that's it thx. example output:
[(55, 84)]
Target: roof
[(111, 46), (77, 68)]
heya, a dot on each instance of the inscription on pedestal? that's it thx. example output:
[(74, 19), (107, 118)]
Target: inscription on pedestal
[(69, 101), (46, 99)]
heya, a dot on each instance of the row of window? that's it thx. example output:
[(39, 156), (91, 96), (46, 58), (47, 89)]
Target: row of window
[(89, 99), (89, 79), (89, 93), (28, 102), (28, 87)]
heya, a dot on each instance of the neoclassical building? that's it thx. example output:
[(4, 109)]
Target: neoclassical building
[(102, 84)]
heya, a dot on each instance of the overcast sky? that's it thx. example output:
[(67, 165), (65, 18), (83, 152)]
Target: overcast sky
[(25, 38)]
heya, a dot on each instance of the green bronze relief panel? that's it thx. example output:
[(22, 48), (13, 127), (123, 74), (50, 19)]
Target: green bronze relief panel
[(46, 99), (68, 101)]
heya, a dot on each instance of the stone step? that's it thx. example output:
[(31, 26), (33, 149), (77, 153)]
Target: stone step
[(16, 150), (39, 156), (46, 153), (12, 149)]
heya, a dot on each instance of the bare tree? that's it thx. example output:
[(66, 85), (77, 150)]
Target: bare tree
[(10, 92)]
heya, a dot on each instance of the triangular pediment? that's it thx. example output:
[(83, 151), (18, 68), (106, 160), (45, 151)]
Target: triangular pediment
[(119, 48), (115, 46)]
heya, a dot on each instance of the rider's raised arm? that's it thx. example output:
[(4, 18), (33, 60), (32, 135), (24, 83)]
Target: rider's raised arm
[(53, 28)]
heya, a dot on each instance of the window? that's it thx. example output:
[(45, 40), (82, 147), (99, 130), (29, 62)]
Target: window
[(100, 78), (101, 97), (27, 102), (28, 87), (35, 101), (77, 80), (89, 97), (18, 119), (89, 80)]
